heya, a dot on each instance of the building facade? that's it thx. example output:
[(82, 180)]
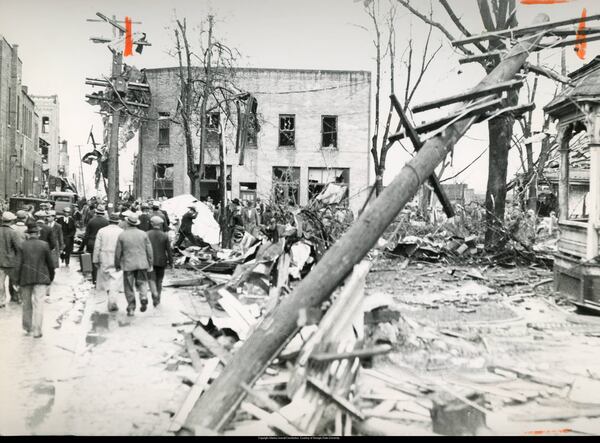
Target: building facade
[(53, 150), (314, 130), (20, 160)]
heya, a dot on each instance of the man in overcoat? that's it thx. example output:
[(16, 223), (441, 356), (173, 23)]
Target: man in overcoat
[(133, 255), (107, 278)]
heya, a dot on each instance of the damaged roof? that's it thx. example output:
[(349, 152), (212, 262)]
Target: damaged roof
[(585, 88)]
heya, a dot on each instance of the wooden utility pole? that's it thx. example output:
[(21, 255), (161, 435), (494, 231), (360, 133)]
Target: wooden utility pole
[(117, 101), (113, 149), (218, 404)]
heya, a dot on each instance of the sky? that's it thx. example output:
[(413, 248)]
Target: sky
[(57, 55)]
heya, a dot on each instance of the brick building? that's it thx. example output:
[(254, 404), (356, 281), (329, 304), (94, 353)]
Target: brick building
[(53, 150), (314, 129), (20, 161)]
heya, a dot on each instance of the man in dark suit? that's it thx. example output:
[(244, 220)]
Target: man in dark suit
[(58, 236), (162, 256), (36, 273), (46, 233), (69, 228), (89, 238), (145, 218), (185, 228)]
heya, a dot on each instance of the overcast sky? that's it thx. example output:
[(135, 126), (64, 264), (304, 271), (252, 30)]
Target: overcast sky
[(53, 38)]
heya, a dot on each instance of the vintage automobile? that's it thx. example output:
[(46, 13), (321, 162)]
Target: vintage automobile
[(17, 203), (62, 200)]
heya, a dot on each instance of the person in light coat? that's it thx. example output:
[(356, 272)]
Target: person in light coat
[(133, 254), (107, 280)]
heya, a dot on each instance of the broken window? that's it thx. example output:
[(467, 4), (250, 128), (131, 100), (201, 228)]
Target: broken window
[(248, 191), (164, 128), (45, 125), (287, 130), (329, 131), (319, 178), (163, 180), (253, 128), (286, 185), (213, 172), (212, 126)]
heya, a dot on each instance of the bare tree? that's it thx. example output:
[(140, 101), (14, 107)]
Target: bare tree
[(207, 105), (385, 47), (495, 15)]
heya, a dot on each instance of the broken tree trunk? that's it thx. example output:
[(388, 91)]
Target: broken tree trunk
[(218, 404)]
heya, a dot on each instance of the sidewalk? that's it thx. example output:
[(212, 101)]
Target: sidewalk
[(85, 379)]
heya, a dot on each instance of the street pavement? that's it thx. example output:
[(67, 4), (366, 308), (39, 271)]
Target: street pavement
[(91, 373)]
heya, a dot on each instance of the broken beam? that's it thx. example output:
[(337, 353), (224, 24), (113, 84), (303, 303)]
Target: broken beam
[(433, 180), (517, 32), (360, 353), (436, 124), (469, 95), (340, 401), (548, 73), (215, 408)]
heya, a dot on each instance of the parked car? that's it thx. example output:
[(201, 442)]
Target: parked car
[(62, 200), (17, 203)]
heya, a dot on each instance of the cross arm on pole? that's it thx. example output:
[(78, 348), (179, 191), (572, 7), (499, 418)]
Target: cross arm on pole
[(433, 180)]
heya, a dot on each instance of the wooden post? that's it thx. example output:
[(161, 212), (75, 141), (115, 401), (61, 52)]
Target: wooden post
[(564, 136), (594, 193), (216, 407)]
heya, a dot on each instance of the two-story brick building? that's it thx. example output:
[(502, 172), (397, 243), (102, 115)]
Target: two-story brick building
[(314, 129)]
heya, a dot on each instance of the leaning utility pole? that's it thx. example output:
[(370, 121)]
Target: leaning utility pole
[(119, 88), (218, 404)]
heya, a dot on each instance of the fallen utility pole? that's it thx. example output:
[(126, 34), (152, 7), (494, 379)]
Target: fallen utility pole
[(218, 404)]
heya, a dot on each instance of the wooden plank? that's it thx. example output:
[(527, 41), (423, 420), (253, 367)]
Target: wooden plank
[(193, 352), (210, 343), (264, 400), (218, 405), (517, 32), (341, 402), (274, 421), (199, 384), (556, 415), (498, 392), (387, 428), (468, 95), (234, 303), (537, 378), (360, 353)]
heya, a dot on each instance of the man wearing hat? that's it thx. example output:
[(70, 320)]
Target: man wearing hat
[(89, 238), (145, 218), (35, 274), (46, 234), (156, 211), (162, 257), (9, 252), (21, 224), (58, 236), (133, 255), (185, 229), (69, 229), (104, 260)]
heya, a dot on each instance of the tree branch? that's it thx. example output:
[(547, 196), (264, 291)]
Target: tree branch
[(459, 24), (431, 22)]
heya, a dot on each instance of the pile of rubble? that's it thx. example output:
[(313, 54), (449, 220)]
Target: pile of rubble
[(461, 240)]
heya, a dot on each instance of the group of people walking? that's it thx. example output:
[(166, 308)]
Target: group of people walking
[(132, 249), (126, 249), (29, 251)]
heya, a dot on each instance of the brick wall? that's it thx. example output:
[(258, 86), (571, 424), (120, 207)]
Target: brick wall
[(308, 94)]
